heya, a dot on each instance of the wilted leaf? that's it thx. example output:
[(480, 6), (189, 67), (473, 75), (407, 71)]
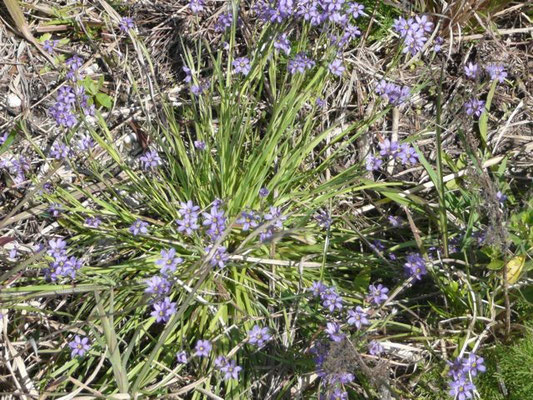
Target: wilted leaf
[(514, 268)]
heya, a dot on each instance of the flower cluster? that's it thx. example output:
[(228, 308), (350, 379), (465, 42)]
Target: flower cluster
[(394, 94), (300, 63), (462, 371), (333, 357), (50, 45), (329, 296), (64, 110), (415, 266), (61, 265), (414, 32), (196, 6), (275, 220), (189, 218), (17, 167), (159, 286), (404, 152), (248, 220), (215, 220), (224, 21)]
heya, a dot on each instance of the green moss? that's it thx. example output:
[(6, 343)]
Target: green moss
[(511, 367)]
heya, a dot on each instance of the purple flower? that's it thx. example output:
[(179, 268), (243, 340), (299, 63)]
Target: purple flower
[(413, 32), (275, 215), (474, 106), (58, 248), (263, 192), (168, 261), (300, 63), (71, 266), (196, 6), (331, 299), (150, 160), (79, 346), (393, 93), (317, 288), (415, 266), (189, 210), (259, 336), (350, 33), (333, 329), (356, 9), (50, 45), (496, 72), (332, 5), (163, 310), (203, 347), (139, 227), (438, 44), (407, 154), (197, 90), (200, 145), (216, 221), (59, 151), (282, 44), (456, 368), (501, 197), (423, 23), (373, 163), (220, 361), (394, 221), (248, 219), (474, 364), (224, 21), (157, 285), (336, 67), (241, 65), (214, 217), (182, 357), (219, 258), (461, 389), (231, 370), (388, 148), (126, 23), (187, 225), (55, 209), (93, 222), (323, 219), (13, 253), (74, 63), (377, 294), (358, 317), (320, 102), (471, 70), (374, 348), (338, 394), (85, 143)]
